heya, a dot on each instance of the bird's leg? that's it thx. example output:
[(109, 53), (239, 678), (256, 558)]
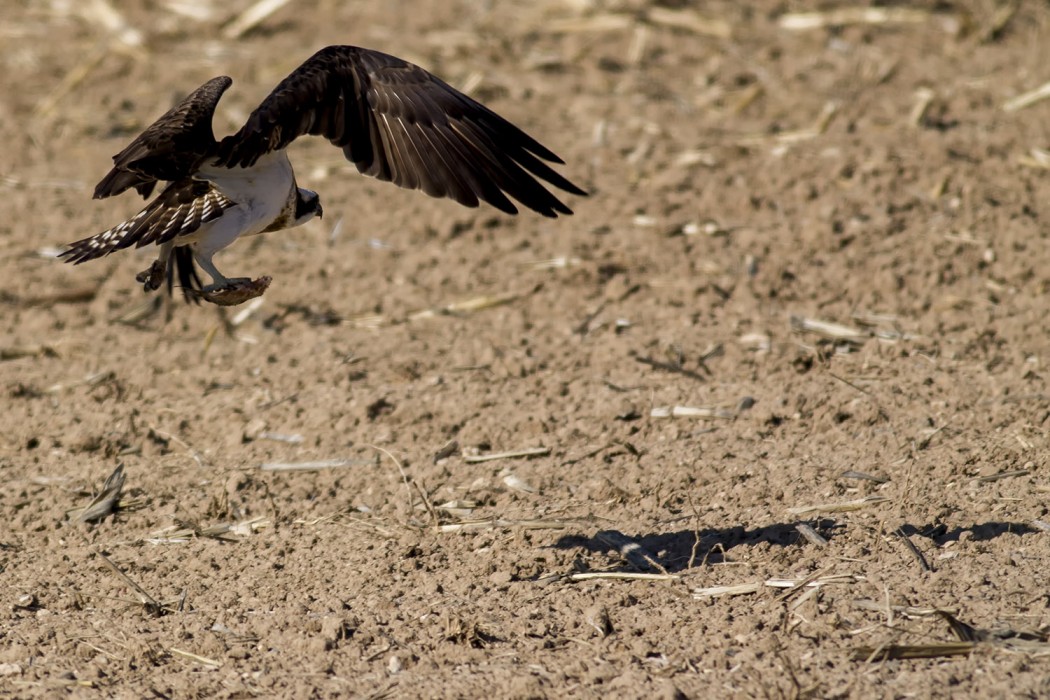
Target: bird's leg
[(219, 280), (152, 278), (227, 291)]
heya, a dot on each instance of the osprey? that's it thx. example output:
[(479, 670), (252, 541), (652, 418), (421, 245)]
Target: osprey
[(393, 120)]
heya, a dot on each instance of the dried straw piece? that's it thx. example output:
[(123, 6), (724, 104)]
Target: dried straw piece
[(622, 575), (512, 454), (251, 18), (802, 21), (466, 306), (1003, 475), (814, 537), (316, 465), (148, 602), (595, 23), (840, 507), (689, 21), (728, 591), (1027, 99), (106, 501), (825, 329), (708, 412), (503, 523), (189, 656), (891, 652)]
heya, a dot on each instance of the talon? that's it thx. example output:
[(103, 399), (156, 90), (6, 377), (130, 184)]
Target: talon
[(152, 278), (234, 291)]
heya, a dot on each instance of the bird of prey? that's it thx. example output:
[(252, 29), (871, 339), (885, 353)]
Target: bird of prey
[(392, 119)]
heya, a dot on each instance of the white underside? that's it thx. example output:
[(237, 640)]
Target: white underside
[(262, 192)]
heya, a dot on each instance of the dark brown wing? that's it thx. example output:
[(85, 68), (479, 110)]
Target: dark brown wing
[(177, 211), (397, 122), (169, 149)]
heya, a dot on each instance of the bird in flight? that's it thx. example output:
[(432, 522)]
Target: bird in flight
[(393, 120)]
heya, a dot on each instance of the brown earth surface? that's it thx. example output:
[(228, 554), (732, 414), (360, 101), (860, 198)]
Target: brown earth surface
[(747, 179)]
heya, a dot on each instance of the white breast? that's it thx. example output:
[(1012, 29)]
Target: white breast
[(262, 190)]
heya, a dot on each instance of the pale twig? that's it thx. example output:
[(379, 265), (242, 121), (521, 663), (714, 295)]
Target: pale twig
[(148, 602), (528, 452), (840, 507)]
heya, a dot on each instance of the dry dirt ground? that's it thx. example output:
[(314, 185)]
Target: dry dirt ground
[(748, 178)]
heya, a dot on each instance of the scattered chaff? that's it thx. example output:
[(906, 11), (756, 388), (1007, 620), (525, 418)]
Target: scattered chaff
[(189, 656), (1009, 474), (608, 22), (675, 367), (512, 454), (447, 450), (1002, 16), (553, 263), (89, 380), (891, 652), (1027, 99), (251, 18), (1038, 158), (292, 438), (853, 474), (840, 507), (787, 138), (728, 591), (790, 584), (192, 452), (813, 582), (76, 295), (224, 532), (910, 546), (149, 603), (689, 21), (457, 509), (504, 524), (843, 16), (622, 576), (466, 306), (318, 465), (830, 331), (814, 537), (246, 313), (708, 412), (17, 352), (907, 611), (970, 638), (513, 481), (106, 501), (923, 98)]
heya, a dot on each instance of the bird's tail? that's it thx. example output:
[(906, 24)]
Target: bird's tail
[(181, 261)]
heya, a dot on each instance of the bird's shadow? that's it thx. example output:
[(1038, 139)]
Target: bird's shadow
[(979, 532), (678, 550)]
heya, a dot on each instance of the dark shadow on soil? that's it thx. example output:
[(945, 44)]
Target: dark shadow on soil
[(979, 532), (674, 550)]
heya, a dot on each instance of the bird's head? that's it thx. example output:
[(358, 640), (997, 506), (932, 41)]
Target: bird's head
[(307, 206)]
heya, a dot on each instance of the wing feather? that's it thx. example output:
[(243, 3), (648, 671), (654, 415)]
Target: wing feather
[(397, 122), (169, 149), (181, 209)]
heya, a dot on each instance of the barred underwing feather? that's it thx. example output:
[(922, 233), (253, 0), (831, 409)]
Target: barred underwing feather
[(179, 210)]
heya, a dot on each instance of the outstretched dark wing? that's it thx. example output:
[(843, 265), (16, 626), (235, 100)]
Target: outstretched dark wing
[(397, 122), (177, 211), (171, 148)]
